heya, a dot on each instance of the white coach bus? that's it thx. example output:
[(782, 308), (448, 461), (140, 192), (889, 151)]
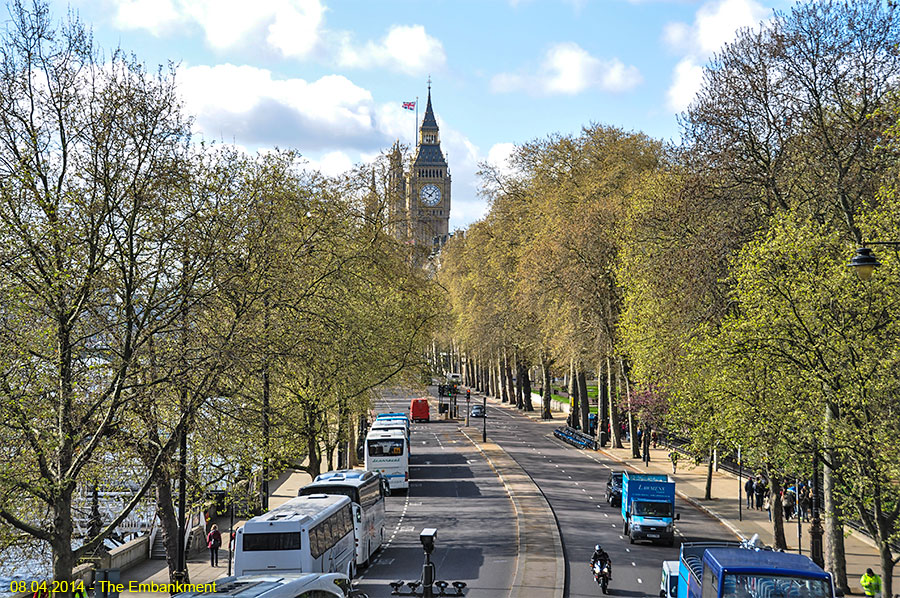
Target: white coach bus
[(387, 452), (307, 534), (365, 491)]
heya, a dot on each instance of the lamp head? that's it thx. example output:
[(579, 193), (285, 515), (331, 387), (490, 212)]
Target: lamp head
[(865, 262), (427, 538)]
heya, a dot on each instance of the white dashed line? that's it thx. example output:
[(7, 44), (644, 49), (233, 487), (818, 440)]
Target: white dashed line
[(639, 580)]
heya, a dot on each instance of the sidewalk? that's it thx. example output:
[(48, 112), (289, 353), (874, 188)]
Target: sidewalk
[(281, 490), (691, 485)]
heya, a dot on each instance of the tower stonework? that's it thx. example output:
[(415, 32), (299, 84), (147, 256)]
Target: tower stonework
[(398, 222), (427, 190)]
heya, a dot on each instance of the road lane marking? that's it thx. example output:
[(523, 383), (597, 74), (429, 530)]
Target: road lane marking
[(639, 580), (632, 564)]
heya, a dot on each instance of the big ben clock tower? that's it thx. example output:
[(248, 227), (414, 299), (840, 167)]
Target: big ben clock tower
[(428, 186)]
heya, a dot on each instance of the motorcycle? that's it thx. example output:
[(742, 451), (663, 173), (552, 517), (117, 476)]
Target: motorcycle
[(601, 575)]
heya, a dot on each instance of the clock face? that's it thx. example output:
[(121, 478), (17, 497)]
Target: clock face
[(430, 195)]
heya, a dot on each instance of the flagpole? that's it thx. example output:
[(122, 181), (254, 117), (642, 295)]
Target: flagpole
[(416, 127)]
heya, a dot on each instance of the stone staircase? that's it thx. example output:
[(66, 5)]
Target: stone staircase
[(158, 550)]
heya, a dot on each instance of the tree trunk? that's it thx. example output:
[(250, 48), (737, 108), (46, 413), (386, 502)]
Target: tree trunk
[(777, 512), (520, 402), (887, 568), (835, 558), (526, 388), (602, 401), (546, 380), (632, 424), (315, 464), (504, 383), (585, 402), (574, 413), (613, 411), (168, 519), (709, 473), (63, 556)]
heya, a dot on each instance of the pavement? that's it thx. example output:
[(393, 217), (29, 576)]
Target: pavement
[(282, 489), (860, 550)]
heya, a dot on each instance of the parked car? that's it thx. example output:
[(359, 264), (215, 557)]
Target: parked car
[(614, 488), (477, 411)]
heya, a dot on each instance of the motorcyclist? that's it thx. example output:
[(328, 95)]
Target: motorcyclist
[(601, 556)]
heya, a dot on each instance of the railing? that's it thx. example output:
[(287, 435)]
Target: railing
[(730, 464), (576, 438)]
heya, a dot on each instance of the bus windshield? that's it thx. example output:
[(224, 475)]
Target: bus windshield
[(653, 509), (385, 448), (348, 491), (758, 585)]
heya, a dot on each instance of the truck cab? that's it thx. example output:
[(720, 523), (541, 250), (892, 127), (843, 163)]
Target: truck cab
[(648, 507), (668, 585)]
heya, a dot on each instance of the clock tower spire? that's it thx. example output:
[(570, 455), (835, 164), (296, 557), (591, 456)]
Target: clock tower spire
[(428, 186)]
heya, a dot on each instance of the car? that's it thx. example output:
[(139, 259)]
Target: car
[(477, 411), (614, 488)]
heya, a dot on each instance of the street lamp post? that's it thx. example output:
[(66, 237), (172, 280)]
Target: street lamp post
[(816, 531), (484, 420)]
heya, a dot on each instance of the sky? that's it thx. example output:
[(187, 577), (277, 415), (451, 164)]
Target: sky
[(328, 77)]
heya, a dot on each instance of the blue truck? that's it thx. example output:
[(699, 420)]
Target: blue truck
[(742, 570), (648, 507)]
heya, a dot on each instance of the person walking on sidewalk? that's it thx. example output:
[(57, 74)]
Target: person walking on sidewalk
[(214, 541), (871, 584), (674, 457), (748, 489), (759, 489)]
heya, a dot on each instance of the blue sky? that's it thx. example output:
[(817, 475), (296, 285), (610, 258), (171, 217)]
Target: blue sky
[(327, 77)]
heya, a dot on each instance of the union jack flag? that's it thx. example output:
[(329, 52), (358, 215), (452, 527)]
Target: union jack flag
[(409, 105)]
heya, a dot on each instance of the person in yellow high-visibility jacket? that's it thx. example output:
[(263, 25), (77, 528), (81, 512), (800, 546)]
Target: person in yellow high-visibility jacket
[(871, 583)]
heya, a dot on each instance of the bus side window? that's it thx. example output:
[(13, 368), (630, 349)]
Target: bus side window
[(348, 518), (314, 542)]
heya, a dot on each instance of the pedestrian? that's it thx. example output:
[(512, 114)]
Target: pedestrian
[(213, 542), (788, 501), (654, 438), (748, 488), (767, 505), (759, 491), (674, 457), (871, 584), (805, 502)]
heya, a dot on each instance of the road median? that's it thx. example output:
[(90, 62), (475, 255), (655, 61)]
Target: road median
[(540, 567)]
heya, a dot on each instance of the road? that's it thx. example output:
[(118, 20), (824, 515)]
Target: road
[(455, 490), (574, 483)]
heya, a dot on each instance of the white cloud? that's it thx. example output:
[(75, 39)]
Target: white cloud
[(408, 49), (331, 163), (498, 157), (686, 82), (248, 105), (715, 24), (569, 69), (292, 27), (153, 15)]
